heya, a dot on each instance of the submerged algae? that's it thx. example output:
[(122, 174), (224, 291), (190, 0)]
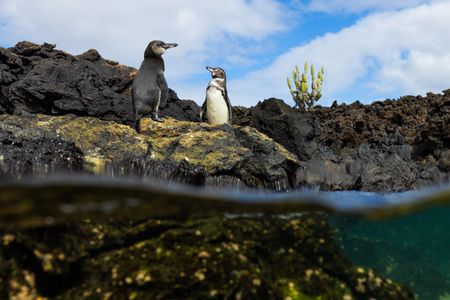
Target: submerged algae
[(212, 257)]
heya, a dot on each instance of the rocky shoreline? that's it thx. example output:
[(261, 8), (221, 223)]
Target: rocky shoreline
[(182, 151), (65, 114), (386, 146)]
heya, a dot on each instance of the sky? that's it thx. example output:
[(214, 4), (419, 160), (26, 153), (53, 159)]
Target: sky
[(371, 50)]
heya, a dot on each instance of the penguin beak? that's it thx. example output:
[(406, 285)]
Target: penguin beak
[(209, 69), (169, 45)]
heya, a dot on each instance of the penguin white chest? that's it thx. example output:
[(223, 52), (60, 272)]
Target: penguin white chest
[(216, 106)]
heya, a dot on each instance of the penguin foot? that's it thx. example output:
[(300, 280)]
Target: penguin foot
[(156, 118), (137, 126)]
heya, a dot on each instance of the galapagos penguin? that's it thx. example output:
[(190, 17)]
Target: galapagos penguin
[(150, 88), (217, 106)]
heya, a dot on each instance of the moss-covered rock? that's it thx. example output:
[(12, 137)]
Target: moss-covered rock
[(238, 151), (108, 147), (196, 258)]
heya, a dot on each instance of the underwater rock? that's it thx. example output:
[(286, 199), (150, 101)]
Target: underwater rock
[(196, 152), (40, 79), (195, 258)]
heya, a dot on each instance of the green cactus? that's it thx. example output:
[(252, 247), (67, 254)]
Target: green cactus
[(303, 98)]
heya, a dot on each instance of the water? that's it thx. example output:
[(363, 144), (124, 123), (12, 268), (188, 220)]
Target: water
[(413, 249), (402, 236)]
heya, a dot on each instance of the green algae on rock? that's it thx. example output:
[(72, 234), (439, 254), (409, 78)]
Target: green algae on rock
[(108, 147), (239, 151), (215, 257)]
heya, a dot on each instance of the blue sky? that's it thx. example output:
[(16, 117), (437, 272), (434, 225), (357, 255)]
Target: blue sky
[(371, 50)]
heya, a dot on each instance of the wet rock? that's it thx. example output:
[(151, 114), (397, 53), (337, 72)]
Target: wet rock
[(366, 168), (444, 161), (23, 156), (175, 150), (196, 258)]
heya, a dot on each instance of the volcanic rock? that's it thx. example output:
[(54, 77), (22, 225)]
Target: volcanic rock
[(385, 146), (185, 151), (41, 79)]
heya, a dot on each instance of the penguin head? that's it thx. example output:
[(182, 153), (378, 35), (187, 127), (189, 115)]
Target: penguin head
[(157, 48), (216, 72)]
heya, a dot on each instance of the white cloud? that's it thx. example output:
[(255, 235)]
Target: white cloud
[(356, 6), (406, 52), (121, 31), (420, 73)]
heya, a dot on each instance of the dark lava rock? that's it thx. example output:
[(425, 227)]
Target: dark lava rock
[(22, 157), (201, 258), (241, 116), (385, 146), (183, 110), (40, 79), (291, 128)]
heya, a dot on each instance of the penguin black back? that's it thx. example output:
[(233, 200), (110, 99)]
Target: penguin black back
[(150, 88)]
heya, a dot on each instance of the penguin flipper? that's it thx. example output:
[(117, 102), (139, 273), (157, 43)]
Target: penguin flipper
[(162, 84), (203, 111), (230, 108)]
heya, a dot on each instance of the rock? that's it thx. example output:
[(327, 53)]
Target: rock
[(210, 257), (351, 146), (241, 152), (241, 116), (183, 110), (22, 155), (366, 168), (40, 79), (54, 82), (184, 151), (386, 146), (291, 128), (444, 161)]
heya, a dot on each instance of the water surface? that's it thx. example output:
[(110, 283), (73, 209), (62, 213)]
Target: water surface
[(404, 236)]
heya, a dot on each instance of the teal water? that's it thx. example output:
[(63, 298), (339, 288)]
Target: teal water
[(413, 249), (403, 236)]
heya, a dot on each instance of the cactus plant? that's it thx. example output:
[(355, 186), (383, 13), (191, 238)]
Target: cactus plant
[(303, 98)]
